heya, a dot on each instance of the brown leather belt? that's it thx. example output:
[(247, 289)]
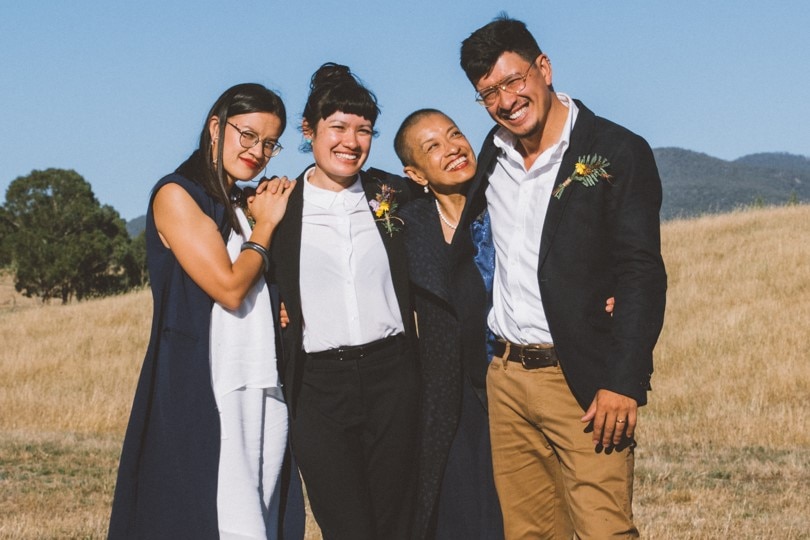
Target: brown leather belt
[(529, 356)]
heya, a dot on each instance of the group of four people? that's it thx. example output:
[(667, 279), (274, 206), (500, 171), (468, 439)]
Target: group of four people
[(444, 340)]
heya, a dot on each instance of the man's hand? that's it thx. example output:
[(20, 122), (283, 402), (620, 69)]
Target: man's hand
[(613, 415)]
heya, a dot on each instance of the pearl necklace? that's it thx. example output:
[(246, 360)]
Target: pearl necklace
[(441, 216)]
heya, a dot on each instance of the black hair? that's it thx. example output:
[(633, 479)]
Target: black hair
[(334, 88), (208, 170), (403, 150), (482, 48)]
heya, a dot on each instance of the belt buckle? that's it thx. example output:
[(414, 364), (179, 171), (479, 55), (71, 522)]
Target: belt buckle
[(523, 358)]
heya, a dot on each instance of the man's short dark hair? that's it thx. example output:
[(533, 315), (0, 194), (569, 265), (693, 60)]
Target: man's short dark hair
[(481, 50)]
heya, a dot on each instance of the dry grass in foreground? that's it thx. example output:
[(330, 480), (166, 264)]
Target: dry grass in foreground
[(724, 444)]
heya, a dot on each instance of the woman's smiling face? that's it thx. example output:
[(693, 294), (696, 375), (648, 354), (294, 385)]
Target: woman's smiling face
[(245, 163), (442, 156), (340, 145)]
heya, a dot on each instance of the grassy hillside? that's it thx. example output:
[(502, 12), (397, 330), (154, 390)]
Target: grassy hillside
[(724, 444)]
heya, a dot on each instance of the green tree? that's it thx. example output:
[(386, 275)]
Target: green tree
[(64, 244), (6, 230), (133, 261)]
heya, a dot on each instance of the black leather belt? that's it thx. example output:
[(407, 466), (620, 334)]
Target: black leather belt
[(530, 356), (355, 352)]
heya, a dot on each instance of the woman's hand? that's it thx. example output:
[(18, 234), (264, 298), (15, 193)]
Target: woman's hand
[(610, 303), (197, 243), (269, 203)]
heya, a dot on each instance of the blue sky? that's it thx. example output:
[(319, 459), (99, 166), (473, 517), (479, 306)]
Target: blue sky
[(118, 91)]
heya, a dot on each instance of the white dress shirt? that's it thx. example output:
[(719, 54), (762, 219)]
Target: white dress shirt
[(517, 200), (347, 294)]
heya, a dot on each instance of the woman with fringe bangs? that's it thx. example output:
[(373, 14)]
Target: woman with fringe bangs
[(350, 370)]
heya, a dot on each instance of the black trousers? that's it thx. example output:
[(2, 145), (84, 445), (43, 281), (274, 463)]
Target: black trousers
[(353, 437)]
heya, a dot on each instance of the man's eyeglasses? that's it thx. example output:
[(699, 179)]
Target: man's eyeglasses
[(512, 84), (248, 139)]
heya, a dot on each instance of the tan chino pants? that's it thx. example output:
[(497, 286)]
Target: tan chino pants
[(551, 481)]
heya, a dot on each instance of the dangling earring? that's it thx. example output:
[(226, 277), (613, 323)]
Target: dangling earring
[(427, 190)]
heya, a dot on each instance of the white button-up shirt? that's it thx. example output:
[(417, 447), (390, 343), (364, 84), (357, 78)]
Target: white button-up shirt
[(347, 294), (517, 200)]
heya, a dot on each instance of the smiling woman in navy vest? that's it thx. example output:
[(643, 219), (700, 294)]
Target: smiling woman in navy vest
[(205, 447)]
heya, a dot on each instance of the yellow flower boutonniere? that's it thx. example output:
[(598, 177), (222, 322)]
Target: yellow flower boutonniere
[(384, 205), (588, 170)]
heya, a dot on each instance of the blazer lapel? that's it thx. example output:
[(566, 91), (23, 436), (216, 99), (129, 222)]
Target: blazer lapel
[(476, 203), (580, 140), (476, 195), (286, 250), (428, 268), (371, 188), (394, 247)]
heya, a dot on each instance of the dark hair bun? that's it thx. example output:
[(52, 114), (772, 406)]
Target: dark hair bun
[(329, 74), (334, 88)]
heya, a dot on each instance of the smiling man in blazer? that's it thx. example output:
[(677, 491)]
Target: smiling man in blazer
[(574, 204)]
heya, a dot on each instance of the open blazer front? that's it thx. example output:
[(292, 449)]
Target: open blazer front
[(597, 242), (286, 252)]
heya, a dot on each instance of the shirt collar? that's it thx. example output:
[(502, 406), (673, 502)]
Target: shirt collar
[(324, 198)]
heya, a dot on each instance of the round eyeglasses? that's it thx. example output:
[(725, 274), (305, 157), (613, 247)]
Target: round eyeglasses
[(248, 139), (513, 84)]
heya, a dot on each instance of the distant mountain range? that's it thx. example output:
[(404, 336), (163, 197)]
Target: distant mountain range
[(136, 226), (695, 183)]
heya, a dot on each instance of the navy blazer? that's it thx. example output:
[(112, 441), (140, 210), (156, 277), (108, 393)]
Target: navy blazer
[(286, 253), (597, 242)]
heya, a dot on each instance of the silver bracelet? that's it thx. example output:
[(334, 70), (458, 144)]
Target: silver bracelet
[(258, 248)]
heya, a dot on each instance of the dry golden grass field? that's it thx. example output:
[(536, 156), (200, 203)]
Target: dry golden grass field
[(724, 444)]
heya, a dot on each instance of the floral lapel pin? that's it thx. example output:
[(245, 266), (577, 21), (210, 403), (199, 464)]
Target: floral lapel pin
[(384, 205), (587, 170)]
